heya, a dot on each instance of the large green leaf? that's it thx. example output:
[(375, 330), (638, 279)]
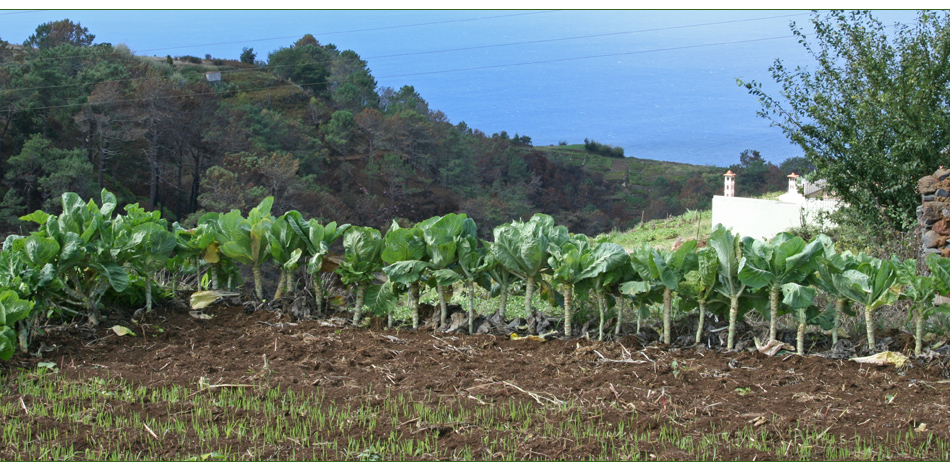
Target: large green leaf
[(754, 276), (362, 247), (406, 272), (40, 250), (401, 244), (940, 270), (117, 276), (634, 288), (797, 296), (446, 277), (12, 308), (234, 237), (380, 299), (7, 342), (37, 216)]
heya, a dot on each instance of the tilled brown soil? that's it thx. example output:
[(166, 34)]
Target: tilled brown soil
[(695, 391)]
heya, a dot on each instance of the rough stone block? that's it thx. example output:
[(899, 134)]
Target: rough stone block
[(941, 174), (933, 211), (930, 239), (927, 185)]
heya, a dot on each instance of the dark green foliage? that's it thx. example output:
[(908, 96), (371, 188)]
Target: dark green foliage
[(603, 149), (56, 33), (248, 55), (306, 65), (871, 111), (757, 176)]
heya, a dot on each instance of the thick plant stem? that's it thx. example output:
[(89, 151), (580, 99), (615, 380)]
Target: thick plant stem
[(620, 309), (568, 308), (600, 306), (773, 312), (148, 293), (258, 283), (800, 346), (919, 344), (638, 319), (839, 310), (733, 316), (280, 285), (318, 292), (358, 312), (214, 276), (528, 293), (870, 327), (503, 302), (414, 303), (197, 273), (443, 309), (702, 321), (471, 307), (667, 313)]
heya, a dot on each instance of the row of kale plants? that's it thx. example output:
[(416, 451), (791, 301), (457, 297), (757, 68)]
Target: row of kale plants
[(73, 260)]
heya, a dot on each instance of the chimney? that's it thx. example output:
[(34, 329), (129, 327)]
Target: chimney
[(730, 189), (793, 183)]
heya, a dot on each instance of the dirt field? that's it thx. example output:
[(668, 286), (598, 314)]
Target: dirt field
[(754, 405)]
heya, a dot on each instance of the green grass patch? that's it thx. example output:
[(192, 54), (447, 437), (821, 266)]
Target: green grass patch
[(662, 233), (47, 417)]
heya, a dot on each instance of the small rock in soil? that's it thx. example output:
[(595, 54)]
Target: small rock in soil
[(843, 349)]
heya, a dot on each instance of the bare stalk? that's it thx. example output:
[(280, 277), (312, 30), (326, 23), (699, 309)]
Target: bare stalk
[(568, 308)]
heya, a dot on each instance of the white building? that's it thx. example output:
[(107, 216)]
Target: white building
[(763, 218)]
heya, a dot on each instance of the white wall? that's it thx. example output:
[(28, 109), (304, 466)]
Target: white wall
[(761, 218)]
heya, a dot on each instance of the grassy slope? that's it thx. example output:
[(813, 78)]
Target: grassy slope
[(664, 233)]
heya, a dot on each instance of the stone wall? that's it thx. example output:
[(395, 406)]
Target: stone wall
[(934, 213)]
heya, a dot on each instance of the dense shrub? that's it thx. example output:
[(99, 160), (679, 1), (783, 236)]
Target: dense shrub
[(603, 149)]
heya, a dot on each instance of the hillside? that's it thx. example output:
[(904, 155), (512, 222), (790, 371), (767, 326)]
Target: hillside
[(310, 127)]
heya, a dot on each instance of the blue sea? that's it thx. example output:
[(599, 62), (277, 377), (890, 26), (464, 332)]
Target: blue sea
[(660, 84)]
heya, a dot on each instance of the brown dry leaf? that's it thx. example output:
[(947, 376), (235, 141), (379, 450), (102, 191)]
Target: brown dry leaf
[(773, 347), (886, 358), (514, 336), (204, 298), (199, 316)]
